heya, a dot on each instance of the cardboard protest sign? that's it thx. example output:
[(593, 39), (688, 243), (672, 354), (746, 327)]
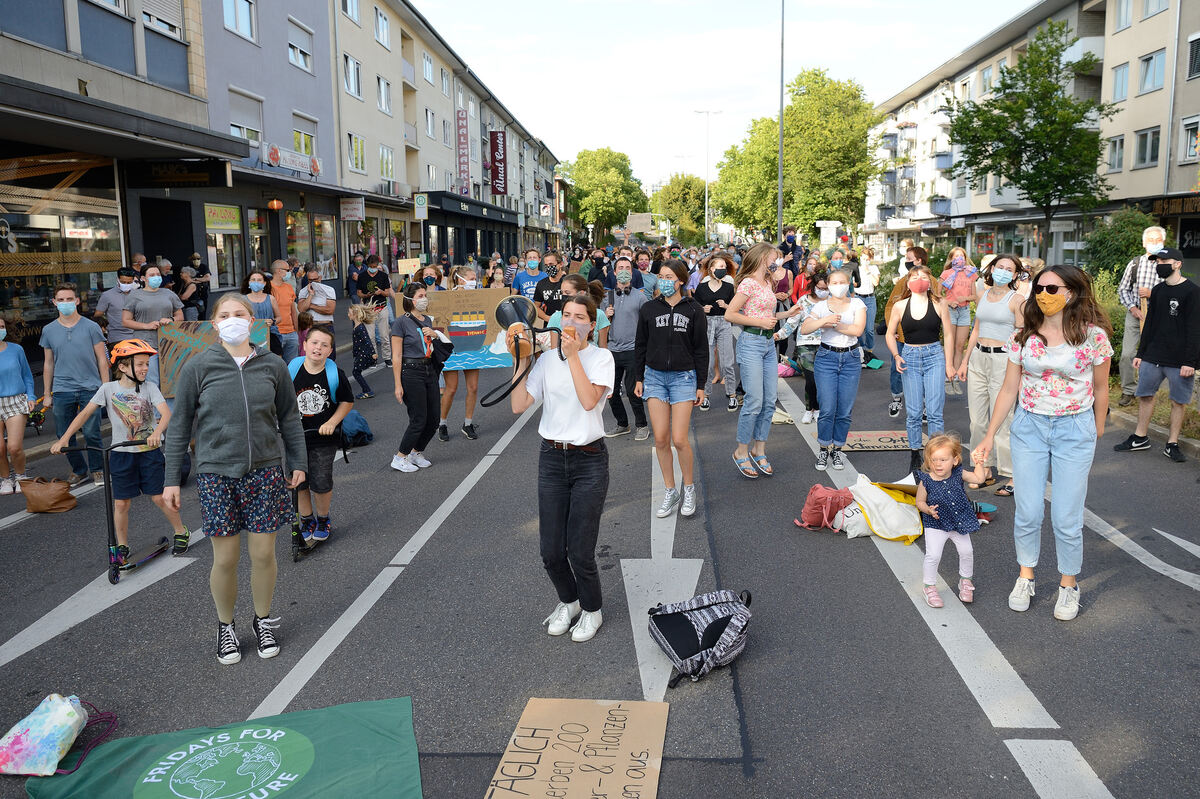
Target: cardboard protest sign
[(469, 319), (876, 440), (577, 748), (179, 341)]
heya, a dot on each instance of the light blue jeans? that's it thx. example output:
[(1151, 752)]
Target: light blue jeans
[(757, 361), (291, 345), (867, 339), (924, 379), (837, 375), (1064, 445)]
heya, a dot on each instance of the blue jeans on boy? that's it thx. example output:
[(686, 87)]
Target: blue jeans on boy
[(867, 339), (894, 380), (924, 379), (757, 361), (67, 405), (837, 376), (1065, 446)]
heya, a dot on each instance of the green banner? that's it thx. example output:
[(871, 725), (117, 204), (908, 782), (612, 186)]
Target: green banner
[(358, 749)]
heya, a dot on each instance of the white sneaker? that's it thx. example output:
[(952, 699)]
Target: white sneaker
[(16, 481), (585, 629), (419, 459), (559, 621), (809, 416), (670, 500), (401, 463), (1018, 600), (6, 485), (688, 508), (1067, 606)]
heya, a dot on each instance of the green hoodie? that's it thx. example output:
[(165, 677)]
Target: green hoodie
[(238, 415)]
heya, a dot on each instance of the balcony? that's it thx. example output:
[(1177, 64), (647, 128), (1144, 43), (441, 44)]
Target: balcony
[(408, 74), (1005, 197), (943, 160), (907, 172), (889, 141), (888, 195), (410, 136), (940, 118), (886, 212), (888, 178), (939, 206), (1087, 44)]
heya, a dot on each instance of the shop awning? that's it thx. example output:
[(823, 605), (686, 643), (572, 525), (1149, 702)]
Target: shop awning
[(53, 118)]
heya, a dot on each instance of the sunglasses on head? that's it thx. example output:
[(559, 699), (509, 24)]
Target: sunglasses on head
[(1051, 289)]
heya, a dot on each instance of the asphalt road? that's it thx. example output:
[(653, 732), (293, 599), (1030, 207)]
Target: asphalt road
[(847, 687)]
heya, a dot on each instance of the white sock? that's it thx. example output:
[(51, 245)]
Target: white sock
[(467, 421), (442, 423)]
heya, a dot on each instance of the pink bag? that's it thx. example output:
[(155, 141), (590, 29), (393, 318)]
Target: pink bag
[(786, 371)]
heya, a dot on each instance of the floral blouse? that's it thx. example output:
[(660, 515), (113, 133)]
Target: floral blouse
[(1057, 381), (760, 301)]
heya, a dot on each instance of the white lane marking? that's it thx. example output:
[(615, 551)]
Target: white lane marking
[(1057, 769), (991, 679), (1187, 546), (22, 515), (312, 660), (1122, 541), (660, 579)]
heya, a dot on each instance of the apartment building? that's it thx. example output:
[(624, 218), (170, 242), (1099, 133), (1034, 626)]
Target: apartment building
[(1148, 55)]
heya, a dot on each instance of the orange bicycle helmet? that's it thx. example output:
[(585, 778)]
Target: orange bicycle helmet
[(131, 346)]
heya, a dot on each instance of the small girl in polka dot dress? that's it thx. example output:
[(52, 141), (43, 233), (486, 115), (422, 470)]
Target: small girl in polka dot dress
[(947, 513)]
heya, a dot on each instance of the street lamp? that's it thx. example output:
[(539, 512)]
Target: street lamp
[(779, 187), (707, 119)]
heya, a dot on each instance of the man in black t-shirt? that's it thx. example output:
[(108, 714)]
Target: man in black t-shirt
[(547, 295), (374, 288)]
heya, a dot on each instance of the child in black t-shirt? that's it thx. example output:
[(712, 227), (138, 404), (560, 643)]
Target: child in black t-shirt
[(322, 408)]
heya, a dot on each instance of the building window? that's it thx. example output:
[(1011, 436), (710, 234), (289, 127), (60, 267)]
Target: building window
[(387, 163), (458, 96), (445, 82), (430, 176), (304, 135), (239, 18), (1120, 87), (1152, 7), (245, 117), (1124, 15), (981, 185), (429, 123), (1146, 153), (1150, 76), (474, 149), (1000, 66), (985, 77), (300, 46), (471, 107), (447, 133), (427, 66), (350, 9), (352, 70), (356, 153), (383, 33), (1194, 57), (449, 180), (384, 88), (1188, 143), (1116, 153), (165, 16)]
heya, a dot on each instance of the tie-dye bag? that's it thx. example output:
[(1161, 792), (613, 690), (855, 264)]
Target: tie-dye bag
[(39, 741)]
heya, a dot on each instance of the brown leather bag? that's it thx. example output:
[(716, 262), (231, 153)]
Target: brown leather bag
[(47, 496)]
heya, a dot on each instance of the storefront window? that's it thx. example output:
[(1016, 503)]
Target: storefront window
[(260, 252), (450, 250), (399, 246), (324, 249), (223, 228), (432, 247), (299, 236), (362, 236)]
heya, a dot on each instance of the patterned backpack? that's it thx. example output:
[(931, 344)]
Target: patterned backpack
[(703, 633)]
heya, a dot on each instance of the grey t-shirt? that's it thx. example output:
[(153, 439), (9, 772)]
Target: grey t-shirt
[(149, 306), (131, 412), (408, 328), (74, 350), (111, 304)]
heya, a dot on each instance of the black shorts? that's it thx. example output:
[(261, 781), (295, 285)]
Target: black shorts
[(318, 478), (134, 473)]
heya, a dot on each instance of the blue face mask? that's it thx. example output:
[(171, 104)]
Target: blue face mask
[(154, 281), (791, 239), (429, 280), (835, 264), (1002, 277), (3, 333), (65, 308), (531, 264), (666, 286), (255, 285)]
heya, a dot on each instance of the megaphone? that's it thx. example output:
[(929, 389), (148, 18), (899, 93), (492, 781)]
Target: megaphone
[(516, 314)]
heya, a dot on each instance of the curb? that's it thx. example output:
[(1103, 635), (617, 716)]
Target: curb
[(1189, 446)]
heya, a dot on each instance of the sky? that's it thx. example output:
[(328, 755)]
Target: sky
[(630, 74)]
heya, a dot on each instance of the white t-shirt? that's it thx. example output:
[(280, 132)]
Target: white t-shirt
[(868, 274), (563, 416), (322, 294), (830, 335)]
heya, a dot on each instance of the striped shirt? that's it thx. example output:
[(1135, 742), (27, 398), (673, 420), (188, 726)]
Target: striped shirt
[(1141, 272)]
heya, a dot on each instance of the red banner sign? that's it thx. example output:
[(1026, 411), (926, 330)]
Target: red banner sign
[(499, 167), (464, 154)]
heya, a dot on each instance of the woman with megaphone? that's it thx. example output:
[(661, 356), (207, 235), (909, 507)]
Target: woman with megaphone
[(573, 461)]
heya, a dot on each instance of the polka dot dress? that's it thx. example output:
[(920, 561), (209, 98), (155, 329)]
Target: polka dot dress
[(955, 511)]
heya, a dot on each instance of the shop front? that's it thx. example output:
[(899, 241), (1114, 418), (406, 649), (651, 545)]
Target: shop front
[(459, 227), (384, 230)]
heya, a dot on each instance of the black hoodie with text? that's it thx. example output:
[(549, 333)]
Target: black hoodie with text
[(672, 339)]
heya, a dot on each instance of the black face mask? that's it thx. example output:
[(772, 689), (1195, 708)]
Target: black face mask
[(720, 273), (551, 269), (1165, 270)]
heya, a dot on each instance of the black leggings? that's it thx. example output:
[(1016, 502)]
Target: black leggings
[(810, 389), (421, 398)]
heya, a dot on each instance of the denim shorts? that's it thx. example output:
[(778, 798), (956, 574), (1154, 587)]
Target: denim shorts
[(670, 387), (1150, 377), (961, 316)]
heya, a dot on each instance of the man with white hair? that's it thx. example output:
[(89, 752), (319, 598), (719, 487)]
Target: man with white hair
[(1141, 275)]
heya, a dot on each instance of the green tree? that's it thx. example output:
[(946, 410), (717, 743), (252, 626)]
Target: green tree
[(605, 188), (745, 190), (681, 200), (1033, 132)]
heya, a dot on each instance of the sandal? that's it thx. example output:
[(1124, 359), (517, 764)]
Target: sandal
[(747, 470), (988, 482), (762, 464), (1004, 491)]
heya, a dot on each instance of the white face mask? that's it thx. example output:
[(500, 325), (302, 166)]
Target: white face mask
[(126, 287), (839, 289), (469, 284), (234, 330), (421, 303)]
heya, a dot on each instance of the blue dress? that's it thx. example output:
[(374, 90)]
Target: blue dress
[(956, 514)]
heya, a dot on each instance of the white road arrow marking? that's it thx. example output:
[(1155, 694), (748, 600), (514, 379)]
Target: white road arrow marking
[(660, 579), (1179, 542)]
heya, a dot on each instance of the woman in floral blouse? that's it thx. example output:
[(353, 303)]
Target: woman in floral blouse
[(1058, 367)]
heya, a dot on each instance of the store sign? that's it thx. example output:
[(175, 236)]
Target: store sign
[(178, 174), (290, 159), (352, 209), (420, 207), (496, 146), (464, 153), (958, 222), (222, 218), (1176, 205), (79, 233), (544, 209)]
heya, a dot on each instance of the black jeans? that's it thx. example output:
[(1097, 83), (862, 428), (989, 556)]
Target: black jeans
[(623, 361), (572, 485), (421, 398)]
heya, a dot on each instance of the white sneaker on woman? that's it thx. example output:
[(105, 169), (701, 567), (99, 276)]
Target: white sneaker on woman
[(418, 459), (560, 620), (585, 629), (401, 463), (1067, 606), (6, 486), (1018, 600), (688, 507), (809, 416), (670, 500)]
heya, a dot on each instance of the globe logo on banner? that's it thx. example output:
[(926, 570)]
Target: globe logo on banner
[(231, 764)]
